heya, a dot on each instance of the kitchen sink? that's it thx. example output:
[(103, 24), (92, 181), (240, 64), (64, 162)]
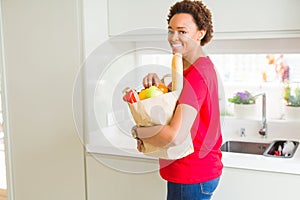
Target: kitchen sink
[(245, 147)]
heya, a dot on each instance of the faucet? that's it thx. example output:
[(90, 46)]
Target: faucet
[(263, 130)]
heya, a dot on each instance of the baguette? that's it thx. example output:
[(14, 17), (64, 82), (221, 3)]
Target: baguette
[(177, 72)]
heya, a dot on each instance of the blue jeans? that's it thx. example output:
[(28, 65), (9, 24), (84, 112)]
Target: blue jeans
[(199, 191)]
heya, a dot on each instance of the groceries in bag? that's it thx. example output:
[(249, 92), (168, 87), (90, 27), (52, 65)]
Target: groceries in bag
[(154, 107)]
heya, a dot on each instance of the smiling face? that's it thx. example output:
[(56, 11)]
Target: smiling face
[(183, 35)]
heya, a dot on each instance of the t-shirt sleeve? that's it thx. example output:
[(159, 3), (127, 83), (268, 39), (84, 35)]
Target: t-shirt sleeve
[(193, 93)]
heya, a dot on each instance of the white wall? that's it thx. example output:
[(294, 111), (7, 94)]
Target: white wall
[(42, 52)]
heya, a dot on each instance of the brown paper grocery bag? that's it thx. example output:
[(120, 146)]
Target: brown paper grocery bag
[(159, 110), (154, 111)]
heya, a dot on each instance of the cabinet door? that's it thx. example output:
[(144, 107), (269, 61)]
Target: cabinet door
[(255, 15), (129, 15), (107, 179), (251, 184), (232, 18)]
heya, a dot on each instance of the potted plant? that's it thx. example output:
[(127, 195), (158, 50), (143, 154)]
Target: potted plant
[(244, 105), (292, 99)]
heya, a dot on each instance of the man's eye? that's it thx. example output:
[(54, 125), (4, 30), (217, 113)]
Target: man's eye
[(182, 32)]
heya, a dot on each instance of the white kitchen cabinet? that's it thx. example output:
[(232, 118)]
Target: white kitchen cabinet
[(232, 18), (237, 184), (129, 15), (106, 181)]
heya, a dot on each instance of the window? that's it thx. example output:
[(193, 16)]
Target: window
[(257, 73), (253, 68)]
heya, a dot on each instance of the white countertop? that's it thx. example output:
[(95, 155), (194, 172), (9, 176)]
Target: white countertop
[(232, 160), (263, 163), (277, 131)]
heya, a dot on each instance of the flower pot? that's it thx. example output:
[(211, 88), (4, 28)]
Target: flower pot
[(292, 112), (245, 111)]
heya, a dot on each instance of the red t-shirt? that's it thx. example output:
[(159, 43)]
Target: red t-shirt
[(200, 90)]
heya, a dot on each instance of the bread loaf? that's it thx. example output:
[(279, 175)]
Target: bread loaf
[(177, 72)]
